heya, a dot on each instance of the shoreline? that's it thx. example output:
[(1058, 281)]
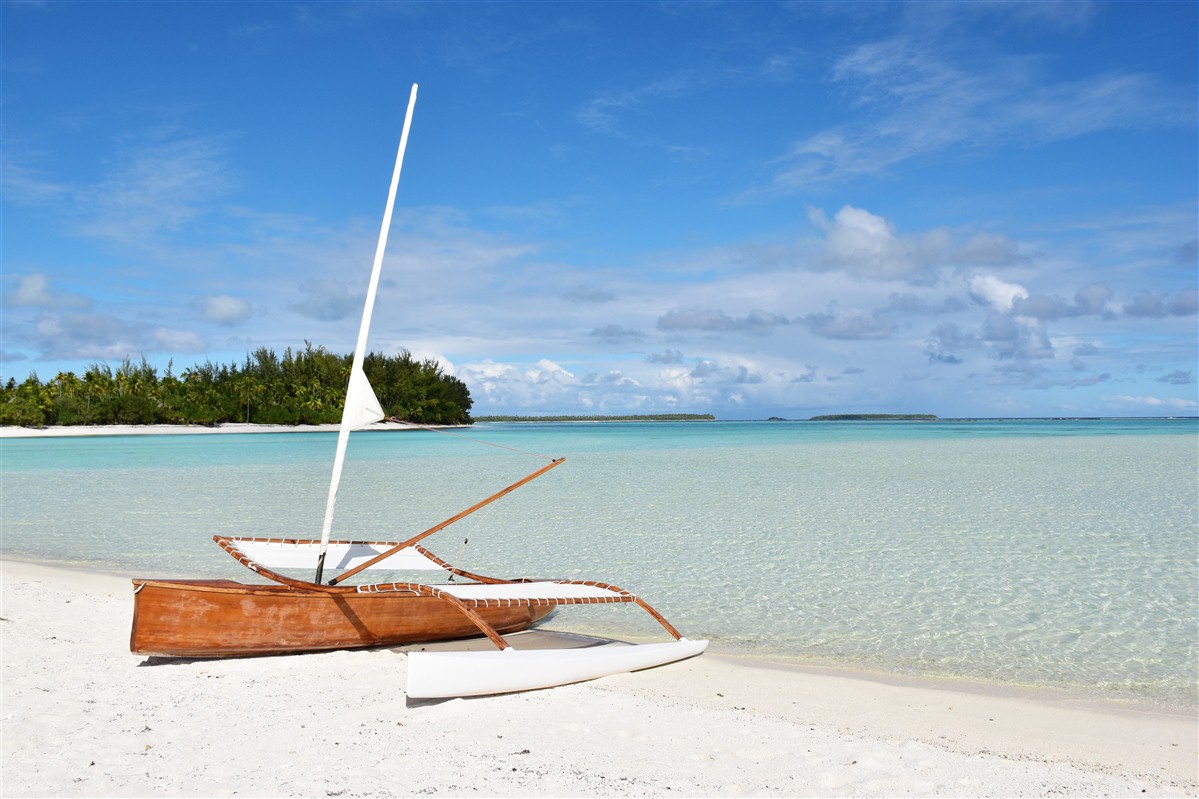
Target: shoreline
[(82, 716), (87, 431), (1042, 694), (83, 431)]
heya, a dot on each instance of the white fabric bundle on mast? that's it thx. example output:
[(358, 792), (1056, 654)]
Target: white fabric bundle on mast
[(362, 406)]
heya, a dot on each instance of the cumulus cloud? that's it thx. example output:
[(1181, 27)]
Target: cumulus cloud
[(665, 357), (225, 309), (919, 306), (1092, 299), (546, 371), (848, 324), (612, 378), (866, 245), (36, 291), (1159, 305), (1177, 378), (1000, 295), (758, 323), (1155, 403), (328, 301), (106, 337), (1016, 337), (948, 339), (745, 376), (988, 249), (170, 340), (1092, 380), (712, 372), (615, 334), (543, 384)]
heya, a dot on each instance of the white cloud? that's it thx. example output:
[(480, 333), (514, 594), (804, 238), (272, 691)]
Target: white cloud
[(1156, 404), (155, 188), (169, 340), (31, 291), (328, 300), (614, 334), (106, 337), (1000, 295), (224, 309), (758, 323), (848, 324), (23, 185), (36, 291), (915, 97), (1161, 304), (868, 246)]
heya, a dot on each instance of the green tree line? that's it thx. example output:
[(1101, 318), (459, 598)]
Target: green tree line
[(301, 387)]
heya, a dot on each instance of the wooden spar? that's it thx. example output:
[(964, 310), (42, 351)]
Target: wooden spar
[(447, 522), (350, 413)]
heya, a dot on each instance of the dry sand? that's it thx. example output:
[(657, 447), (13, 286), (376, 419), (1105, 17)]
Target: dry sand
[(85, 431), (82, 716)]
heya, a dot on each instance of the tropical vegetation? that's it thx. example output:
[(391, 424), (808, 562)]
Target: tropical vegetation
[(301, 387)]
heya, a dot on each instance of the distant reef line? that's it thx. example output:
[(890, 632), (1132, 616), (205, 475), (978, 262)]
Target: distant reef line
[(876, 417), (650, 417)]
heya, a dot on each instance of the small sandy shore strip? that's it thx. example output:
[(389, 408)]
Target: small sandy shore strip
[(81, 716), (89, 430)]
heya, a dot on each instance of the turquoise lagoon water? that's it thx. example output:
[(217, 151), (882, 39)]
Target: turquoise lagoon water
[(1058, 554)]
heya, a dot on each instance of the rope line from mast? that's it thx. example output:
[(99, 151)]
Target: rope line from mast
[(445, 432)]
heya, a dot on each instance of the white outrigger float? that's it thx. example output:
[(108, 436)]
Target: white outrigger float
[(225, 618)]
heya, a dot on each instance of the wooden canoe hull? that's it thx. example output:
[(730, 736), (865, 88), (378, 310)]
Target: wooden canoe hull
[(224, 618)]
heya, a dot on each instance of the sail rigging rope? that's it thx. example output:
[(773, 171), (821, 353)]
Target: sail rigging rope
[(466, 539), (445, 432)]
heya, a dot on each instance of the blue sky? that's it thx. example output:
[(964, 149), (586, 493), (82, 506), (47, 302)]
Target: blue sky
[(749, 209)]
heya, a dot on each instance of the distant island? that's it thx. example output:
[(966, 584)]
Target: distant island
[(876, 417), (653, 417)]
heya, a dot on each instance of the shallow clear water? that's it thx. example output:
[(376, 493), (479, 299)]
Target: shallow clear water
[(1050, 553)]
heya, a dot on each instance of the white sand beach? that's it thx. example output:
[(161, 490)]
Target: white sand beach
[(68, 431), (82, 716)]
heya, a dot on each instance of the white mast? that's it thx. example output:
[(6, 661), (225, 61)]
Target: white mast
[(362, 408)]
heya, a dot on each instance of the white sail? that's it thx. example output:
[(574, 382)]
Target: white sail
[(362, 407)]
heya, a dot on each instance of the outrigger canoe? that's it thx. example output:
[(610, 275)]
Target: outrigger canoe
[(225, 618)]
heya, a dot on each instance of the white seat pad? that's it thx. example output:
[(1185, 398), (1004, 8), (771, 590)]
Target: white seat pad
[(545, 591), (281, 554)]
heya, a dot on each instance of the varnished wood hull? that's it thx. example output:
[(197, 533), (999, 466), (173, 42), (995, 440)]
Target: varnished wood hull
[(224, 618)]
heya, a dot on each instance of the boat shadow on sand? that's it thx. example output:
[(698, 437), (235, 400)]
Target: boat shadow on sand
[(534, 639)]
